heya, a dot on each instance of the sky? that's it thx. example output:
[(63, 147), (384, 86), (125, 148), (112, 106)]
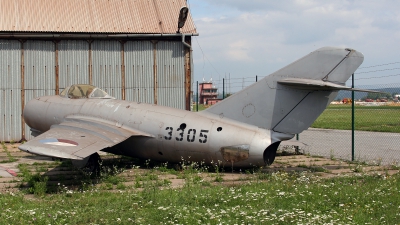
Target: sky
[(241, 39)]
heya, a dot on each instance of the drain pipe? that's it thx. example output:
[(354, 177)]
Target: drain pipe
[(184, 43)]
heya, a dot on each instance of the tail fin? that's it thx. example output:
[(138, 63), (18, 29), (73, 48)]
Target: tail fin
[(292, 98)]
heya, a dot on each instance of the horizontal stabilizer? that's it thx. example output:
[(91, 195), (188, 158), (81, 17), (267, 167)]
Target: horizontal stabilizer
[(318, 85)]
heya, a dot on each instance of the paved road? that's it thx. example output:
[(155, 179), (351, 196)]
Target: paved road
[(371, 147)]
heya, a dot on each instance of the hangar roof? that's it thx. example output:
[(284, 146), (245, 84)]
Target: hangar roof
[(93, 16)]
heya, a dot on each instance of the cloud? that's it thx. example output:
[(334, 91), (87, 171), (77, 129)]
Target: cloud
[(259, 37)]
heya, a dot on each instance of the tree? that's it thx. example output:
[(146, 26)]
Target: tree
[(378, 95)]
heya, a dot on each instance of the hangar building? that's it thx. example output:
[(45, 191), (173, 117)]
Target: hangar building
[(129, 48)]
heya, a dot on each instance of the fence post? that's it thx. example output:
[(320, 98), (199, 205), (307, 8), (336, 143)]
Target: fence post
[(256, 78), (223, 88), (296, 148), (197, 96), (352, 118)]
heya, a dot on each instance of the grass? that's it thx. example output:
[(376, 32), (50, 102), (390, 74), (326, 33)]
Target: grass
[(10, 157), (277, 198), (367, 118), (36, 183), (201, 107)]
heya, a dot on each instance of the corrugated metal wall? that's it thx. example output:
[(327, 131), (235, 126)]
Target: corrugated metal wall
[(171, 74), (35, 61), (40, 76), (139, 74), (10, 90), (107, 67), (73, 57)]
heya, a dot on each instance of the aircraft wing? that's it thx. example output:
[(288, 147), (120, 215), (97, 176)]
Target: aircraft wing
[(78, 137)]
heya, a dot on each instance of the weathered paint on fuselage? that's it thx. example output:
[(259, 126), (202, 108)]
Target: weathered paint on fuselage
[(178, 134)]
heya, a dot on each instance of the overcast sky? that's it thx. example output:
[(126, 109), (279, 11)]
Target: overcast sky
[(249, 38)]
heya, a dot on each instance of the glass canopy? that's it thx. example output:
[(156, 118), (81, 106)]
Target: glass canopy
[(84, 91)]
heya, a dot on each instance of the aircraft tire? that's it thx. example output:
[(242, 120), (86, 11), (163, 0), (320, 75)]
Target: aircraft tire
[(93, 164)]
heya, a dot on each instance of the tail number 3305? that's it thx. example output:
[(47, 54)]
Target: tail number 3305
[(190, 137)]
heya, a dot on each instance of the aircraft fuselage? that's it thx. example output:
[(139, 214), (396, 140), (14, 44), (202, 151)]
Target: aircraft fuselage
[(176, 134)]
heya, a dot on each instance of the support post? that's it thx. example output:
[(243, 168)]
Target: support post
[(155, 83), (197, 96), (223, 88), (57, 68), (352, 118), (123, 79), (90, 62), (22, 88)]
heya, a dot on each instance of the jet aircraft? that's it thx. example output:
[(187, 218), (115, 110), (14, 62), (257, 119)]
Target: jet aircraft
[(244, 130)]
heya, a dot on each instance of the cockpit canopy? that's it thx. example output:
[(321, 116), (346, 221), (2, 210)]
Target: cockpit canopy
[(84, 91)]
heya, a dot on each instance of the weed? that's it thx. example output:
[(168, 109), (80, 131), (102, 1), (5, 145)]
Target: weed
[(137, 184), (121, 186), (36, 182), (332, 154), (358, 168), (40, 186), (115, 180), (378, 162), (217, 167), (107, 186), (318, 169), (10, 157)]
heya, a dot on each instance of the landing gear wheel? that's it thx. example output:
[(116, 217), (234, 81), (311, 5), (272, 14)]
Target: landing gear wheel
[(93, 164), (88, 164)]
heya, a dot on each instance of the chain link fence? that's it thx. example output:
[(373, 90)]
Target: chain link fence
[(376, 138)]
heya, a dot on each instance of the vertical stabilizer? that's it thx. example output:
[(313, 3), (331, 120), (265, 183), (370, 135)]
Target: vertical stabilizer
[(276, 104)]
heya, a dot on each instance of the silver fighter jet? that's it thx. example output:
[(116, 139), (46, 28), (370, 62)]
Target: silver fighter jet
[(243, 130)]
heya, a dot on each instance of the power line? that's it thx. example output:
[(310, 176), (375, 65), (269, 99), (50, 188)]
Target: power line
[(377, 70), (378, 65), (206, 56), (367, 78)]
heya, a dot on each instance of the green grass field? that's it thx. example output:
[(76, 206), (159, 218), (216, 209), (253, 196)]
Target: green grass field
[(367, 118), (277, 198)]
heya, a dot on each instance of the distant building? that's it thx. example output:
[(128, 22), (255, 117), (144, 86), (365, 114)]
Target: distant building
[(208, 94)]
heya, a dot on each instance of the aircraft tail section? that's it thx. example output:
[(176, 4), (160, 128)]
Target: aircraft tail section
[(291, 99)]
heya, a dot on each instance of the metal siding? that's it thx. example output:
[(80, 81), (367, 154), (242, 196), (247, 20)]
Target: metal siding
[(10, 90), (106, 63), (39, 63), (171, 74), (93, 16), (73, 61), (139, 79)]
